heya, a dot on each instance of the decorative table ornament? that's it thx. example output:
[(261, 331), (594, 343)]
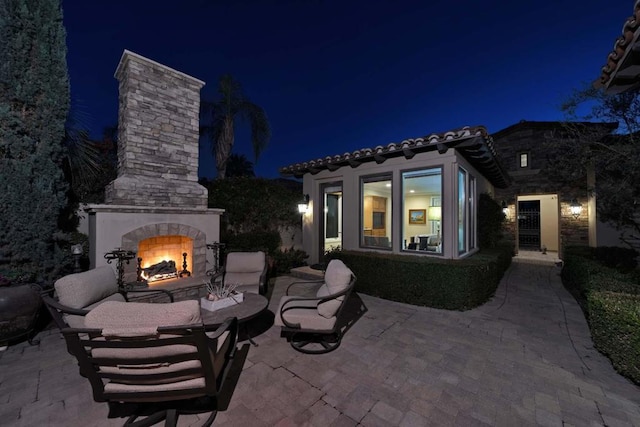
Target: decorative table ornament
[(220, 295)]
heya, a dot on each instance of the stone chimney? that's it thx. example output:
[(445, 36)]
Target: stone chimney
[(158, 135)]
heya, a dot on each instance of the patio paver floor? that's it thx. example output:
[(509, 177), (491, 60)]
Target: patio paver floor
[(523, 358)]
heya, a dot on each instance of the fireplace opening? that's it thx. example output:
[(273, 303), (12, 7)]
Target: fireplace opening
[(163, 257)]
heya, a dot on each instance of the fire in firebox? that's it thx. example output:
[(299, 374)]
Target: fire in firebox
[(160, 271)]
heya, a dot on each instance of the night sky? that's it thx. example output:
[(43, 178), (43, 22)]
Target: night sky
[(336, 76)]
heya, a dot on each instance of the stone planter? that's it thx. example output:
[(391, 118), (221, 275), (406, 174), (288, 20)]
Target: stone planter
[(19, 307)]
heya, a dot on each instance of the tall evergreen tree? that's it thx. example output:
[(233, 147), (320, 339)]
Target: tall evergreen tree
[(34, 102)]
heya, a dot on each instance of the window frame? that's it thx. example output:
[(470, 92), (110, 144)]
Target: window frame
[(405, 209), (364, 179), (527, 159)]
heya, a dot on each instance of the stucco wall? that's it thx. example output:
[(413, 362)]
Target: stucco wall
[(350, 178)]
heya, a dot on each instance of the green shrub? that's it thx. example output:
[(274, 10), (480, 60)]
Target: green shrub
[(285, 260), (623, 259), (614, 320), (610, 299), (449, 284), (490, 221), (266, 241)]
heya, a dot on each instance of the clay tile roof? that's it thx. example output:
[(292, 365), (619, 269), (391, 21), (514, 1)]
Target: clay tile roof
[(475, 144), (622, 69)]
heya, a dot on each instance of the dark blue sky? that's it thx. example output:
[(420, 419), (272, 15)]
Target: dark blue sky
[(336, 76)]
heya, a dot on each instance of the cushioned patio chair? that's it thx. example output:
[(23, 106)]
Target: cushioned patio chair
[(155, 361), (311, 323), (247, 270), (77, 294)]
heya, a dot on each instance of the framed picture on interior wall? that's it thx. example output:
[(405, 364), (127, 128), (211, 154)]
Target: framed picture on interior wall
[(417, 216)]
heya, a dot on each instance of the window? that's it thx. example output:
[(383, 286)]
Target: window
[(467, 218), (422, 216), (462, 211), (376, 211), (524, 160)]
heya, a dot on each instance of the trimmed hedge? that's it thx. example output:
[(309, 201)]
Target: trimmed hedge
[(448, 284), (610, 299), (614, 320)]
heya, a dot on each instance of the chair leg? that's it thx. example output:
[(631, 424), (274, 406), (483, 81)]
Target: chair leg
[(147, 421), (300, 341)]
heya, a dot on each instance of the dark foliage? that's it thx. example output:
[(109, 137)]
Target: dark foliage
[(583, 148), (490, 220), (253, 204), (285, 260), (34, 102), (623, 259), (267, 241)]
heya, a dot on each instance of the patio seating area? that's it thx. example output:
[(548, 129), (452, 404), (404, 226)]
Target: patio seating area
[(523, 358)]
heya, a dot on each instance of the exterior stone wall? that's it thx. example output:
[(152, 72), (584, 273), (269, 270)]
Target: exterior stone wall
[(158, 135), (532, 138)]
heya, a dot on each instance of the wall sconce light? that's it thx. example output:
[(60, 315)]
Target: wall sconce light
[(576, 208), (505, 209), (303, 206)]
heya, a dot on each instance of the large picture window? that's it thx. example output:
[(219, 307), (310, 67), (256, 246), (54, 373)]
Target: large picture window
[(376, 211), (422, 210)]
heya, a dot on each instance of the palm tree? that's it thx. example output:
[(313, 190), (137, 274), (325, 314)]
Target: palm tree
[(239, 165), (219, 117)]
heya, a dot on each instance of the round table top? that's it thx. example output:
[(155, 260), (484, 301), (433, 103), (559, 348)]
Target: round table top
[(250, 307)]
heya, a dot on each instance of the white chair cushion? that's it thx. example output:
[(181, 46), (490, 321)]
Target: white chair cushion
[(114, 315), (337, 276), (245, 262), (328, 308), (78, 321), (82, 289)]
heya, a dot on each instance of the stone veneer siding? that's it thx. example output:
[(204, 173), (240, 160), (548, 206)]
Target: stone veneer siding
[(531, 138), (131, 240), (158, 136)]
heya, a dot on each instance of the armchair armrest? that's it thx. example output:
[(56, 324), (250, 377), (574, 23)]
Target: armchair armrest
[(56, 310), (302, 282), (230, 324), (290, 303)]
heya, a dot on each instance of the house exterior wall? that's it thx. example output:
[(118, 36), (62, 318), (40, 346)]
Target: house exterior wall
[(351, 199), (531, 138)]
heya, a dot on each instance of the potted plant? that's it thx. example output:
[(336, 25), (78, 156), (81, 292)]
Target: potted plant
[(19, 307)]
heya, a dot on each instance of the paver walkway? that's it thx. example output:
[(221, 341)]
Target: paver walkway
[(524, 358)]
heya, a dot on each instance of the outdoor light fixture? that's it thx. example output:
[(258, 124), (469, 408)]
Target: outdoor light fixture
[(576, 208), (505, 209), (303, 206), (76, 251)]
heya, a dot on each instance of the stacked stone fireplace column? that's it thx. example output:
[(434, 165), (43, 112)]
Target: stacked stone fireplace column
[(156, 191)]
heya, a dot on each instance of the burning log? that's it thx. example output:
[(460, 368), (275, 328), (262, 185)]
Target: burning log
[(164, 268)]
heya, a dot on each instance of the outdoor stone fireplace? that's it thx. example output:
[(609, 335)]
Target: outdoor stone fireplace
[(155, 207)]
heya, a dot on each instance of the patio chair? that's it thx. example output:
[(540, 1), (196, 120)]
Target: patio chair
[(79, 293), (311, 323), (165, 365), (247, 270)]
